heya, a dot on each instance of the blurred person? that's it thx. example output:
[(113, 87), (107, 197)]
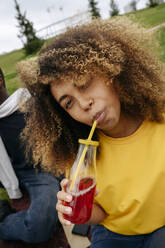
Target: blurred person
[(38, 222)]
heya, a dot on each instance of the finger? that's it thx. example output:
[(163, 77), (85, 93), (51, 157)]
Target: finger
[(63, 220), (63, 196), (96, 192), (63, 209), (64, 183)]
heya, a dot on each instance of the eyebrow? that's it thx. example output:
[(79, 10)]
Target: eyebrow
[(62, 98)]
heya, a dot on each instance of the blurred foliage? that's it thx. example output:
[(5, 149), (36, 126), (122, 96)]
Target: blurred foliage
[(153, 3), (27, 32), (94, 9), (114, 10), (33, 46)]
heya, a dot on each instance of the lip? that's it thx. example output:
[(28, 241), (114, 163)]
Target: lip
[(98, 117)]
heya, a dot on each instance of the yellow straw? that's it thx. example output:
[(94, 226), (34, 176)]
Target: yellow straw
[(83, 155), (92, 130)]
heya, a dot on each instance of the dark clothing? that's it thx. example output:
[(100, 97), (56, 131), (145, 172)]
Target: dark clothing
[(10, 129), (38, 223), (104, 238)]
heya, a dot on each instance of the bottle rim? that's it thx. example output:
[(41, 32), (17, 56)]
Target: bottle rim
[(88, 142)]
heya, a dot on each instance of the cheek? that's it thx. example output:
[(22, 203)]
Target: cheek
[(118, 107), (116, 101), (80, 117), (115, 107), (76, 116), (74, 113), (117, 110)]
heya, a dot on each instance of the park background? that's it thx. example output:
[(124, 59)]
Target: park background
[(151, 17)]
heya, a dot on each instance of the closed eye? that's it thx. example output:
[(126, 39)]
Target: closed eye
[(68, 103)]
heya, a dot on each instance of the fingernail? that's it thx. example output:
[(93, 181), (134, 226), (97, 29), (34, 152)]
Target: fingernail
[(67, 222), (68, 198), (68, 210)]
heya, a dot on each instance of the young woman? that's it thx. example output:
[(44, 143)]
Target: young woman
[(104, 71)]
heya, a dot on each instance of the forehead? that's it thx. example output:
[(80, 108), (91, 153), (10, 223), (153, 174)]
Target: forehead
[(67, 85), (61, 87)]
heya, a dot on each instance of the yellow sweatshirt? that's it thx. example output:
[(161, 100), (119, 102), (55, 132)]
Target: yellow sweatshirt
[(131, 180)]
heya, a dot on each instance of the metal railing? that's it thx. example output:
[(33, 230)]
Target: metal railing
[(60, 26)]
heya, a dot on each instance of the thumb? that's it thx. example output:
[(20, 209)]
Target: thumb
[(96, 192)]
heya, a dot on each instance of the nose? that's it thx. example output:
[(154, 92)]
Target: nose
[(86, 104)]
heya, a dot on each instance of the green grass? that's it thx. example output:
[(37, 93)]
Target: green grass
[(12, 82), (160, 34), (7, 63), (148, 17)]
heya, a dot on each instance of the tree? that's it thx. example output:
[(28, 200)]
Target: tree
[(93, 9), (114, 8), (32, 43), (153, 3), (133, 4)]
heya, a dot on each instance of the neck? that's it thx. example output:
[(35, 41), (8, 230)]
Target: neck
[(126, 126)]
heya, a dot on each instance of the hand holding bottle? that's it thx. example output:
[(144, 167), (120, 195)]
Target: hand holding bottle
[(63, 196), (98, 214)]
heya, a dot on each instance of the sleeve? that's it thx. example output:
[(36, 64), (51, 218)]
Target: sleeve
[(7, 174)]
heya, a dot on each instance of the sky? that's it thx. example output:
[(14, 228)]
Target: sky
[(43, 13)]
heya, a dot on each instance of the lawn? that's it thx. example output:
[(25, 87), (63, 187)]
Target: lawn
[(149, 17), (161, 37)]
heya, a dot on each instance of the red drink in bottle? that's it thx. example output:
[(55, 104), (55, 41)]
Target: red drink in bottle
[(82, 186), (82, 201)]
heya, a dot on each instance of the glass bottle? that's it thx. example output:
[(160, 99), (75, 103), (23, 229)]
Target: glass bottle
[(83, 190)]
